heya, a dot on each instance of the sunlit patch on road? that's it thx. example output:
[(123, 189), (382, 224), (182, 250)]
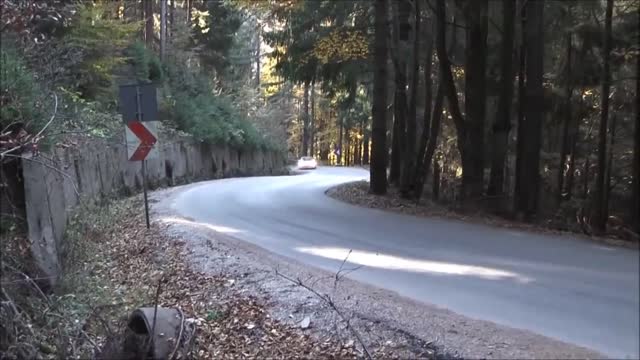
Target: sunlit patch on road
[(392, 262), (183, 221)]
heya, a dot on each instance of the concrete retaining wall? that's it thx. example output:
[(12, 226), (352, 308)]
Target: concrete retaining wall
[(54, 183)]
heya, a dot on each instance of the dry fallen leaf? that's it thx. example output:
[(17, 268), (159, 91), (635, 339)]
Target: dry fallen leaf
[(229, 324)]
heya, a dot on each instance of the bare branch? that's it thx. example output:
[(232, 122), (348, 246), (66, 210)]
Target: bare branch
[(327, 299), (53, 116), (335, 283), (30, 281), (179, 338), (344, 272), (14, 308), (88, 338), (37, 137), (155, 315), (75, 189)]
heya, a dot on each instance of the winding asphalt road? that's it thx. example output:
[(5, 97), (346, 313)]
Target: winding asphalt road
[(559, 286)]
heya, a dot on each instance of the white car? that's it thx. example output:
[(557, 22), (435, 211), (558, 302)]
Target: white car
[(307, 162)]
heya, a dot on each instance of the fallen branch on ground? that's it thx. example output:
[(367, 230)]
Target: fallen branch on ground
[(327, 300), (29, 280)]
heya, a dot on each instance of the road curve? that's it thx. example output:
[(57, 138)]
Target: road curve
[(562, 287)]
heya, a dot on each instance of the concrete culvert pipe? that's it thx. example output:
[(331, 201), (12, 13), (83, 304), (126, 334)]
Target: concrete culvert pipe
[(165, 339)]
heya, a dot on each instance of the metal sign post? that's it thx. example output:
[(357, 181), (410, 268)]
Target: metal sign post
[(140, 116), (138, 106), (144, 191)]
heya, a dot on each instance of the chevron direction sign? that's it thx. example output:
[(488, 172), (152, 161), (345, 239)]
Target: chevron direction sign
[(139, 108), (141, 140)]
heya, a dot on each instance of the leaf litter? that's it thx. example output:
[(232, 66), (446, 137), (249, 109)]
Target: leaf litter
[(130, 261), (357, 193)]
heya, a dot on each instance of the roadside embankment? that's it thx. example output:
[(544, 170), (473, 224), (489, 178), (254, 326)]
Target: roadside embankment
[(98, 170)]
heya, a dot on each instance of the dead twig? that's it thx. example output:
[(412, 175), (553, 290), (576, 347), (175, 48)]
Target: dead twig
[(155, 315), (179, 338), (88, 338), (34, 139), (55, 110), (337, 276), (75, 188), (13, 306), (10, 302), (344, 272), (101, 320), (327, 299), (18, 281), (30, 281)]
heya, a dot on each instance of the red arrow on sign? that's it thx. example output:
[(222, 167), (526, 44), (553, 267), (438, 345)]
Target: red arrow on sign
[(147, 140)]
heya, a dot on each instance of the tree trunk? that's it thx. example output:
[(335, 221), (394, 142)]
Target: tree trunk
[(572, 160), (446, 78), (420, 174), (365, 148), (529, 171), (305, 120), (636, 152), (189, 8), (148, 17), (567, 122), (312, 123), (601, 201), (612, 142), (353, 145), (435, 189), (407, 188), (258, 62), (521, 106), (360, 141), (352, 149), (378, 168), (396, 140), (340, 149), (347, 153), (134, 9), (401, 33), (502, 124), (129, 10), (475, 100), (172, 18), (585, 178), (434, 131), (324, 154), (163, 29)]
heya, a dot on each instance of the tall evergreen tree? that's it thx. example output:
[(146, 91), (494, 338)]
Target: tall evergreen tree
[(502, 124), (601, 201), (529, 136), (378, 168)]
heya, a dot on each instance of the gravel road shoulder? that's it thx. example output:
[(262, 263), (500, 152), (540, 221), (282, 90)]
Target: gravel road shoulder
[(390, 325)]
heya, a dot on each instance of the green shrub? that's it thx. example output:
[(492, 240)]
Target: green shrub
[(146, 64), (19, 94), (193, 107), (101, 40)]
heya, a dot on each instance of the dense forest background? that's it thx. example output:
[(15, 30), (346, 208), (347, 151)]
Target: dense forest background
[(521, 108), (527, 109)]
